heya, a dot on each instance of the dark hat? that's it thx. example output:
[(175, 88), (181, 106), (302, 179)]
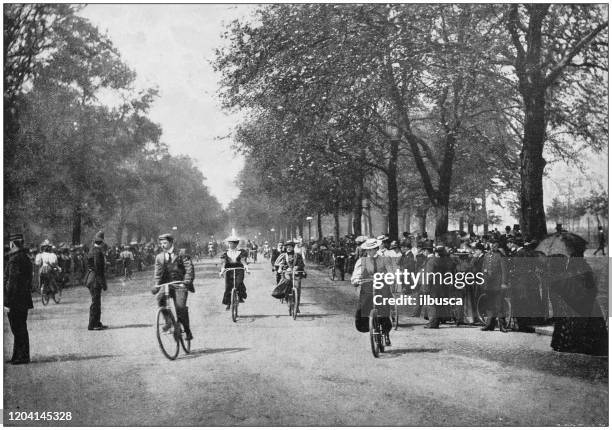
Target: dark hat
[(517, 227), (480, 245), (15, 237), (441, 250), (166, 236), (289, 243), (99, 237), (428, 244)]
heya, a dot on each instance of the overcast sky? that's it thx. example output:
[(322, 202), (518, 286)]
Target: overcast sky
[(169, 46)]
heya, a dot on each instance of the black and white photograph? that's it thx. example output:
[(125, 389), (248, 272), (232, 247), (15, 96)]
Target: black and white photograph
[(306, 215)]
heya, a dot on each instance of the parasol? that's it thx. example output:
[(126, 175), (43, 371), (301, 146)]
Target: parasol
[(568, 244)]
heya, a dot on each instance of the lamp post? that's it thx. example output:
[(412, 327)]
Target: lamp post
[(309, 219)]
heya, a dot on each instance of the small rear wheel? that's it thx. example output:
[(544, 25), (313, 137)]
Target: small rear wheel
[(166, 336)]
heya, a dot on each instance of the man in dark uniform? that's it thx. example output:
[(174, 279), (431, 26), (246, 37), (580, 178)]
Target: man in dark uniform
[(18, 297), (95, 281), (441, 264), (495, 270)]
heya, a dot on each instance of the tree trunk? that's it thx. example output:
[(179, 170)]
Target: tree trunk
[(301, 230), (369, 212), (358, 208), (485, 222), (119, 232), (392, 192), (408, 219), (532, 216), (461, 222), (319, 227), (76, 225), (336, 223), (470, 218), (423, 220), (441, 214)]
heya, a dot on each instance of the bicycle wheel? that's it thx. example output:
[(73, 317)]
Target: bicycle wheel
[(296, 303), (395, 316), (168, 341), (186, 344), (332, 273), (234, 304), (481, 309), (57, 296), (508, 322), (44, 295), (291, 302), (374, 333)]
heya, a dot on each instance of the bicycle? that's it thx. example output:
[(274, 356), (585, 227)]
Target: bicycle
[(127, 271), (375, 326), (293, 298), (481, 310), (234, 296), (49, 287), (332, 268), (169, 338)]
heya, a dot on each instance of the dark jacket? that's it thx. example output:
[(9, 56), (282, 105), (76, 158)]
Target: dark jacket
[(180, 268), (96, 266), (495, 269), (18, 281)]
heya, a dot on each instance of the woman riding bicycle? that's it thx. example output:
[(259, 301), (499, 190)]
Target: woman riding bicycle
[(48, 265), (232, 258), (290, 261), (363, 275)]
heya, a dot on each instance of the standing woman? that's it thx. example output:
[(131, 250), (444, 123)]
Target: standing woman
[(234, 257), (363, 275)]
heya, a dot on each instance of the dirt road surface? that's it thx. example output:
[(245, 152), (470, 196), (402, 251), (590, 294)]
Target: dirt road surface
[(267, 369)]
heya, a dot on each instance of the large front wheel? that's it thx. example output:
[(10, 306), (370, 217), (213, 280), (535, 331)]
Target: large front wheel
[(166, 336), (374, 333)]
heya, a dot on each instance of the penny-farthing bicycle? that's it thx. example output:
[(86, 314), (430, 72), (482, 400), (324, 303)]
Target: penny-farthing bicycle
[(170, 332)]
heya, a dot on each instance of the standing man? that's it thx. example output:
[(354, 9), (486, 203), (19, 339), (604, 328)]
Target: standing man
[(18, 297), (495, 270), (602, 241), (95, 281)]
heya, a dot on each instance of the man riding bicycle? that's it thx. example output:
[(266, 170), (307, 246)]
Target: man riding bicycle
[(172, 267), (288, 262), (48, 265)]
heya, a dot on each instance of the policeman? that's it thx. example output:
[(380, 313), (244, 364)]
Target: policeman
[(95, 281), (18, 297), (495, 270)]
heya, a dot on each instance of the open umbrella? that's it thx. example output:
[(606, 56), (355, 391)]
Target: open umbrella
[(568, 244)]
